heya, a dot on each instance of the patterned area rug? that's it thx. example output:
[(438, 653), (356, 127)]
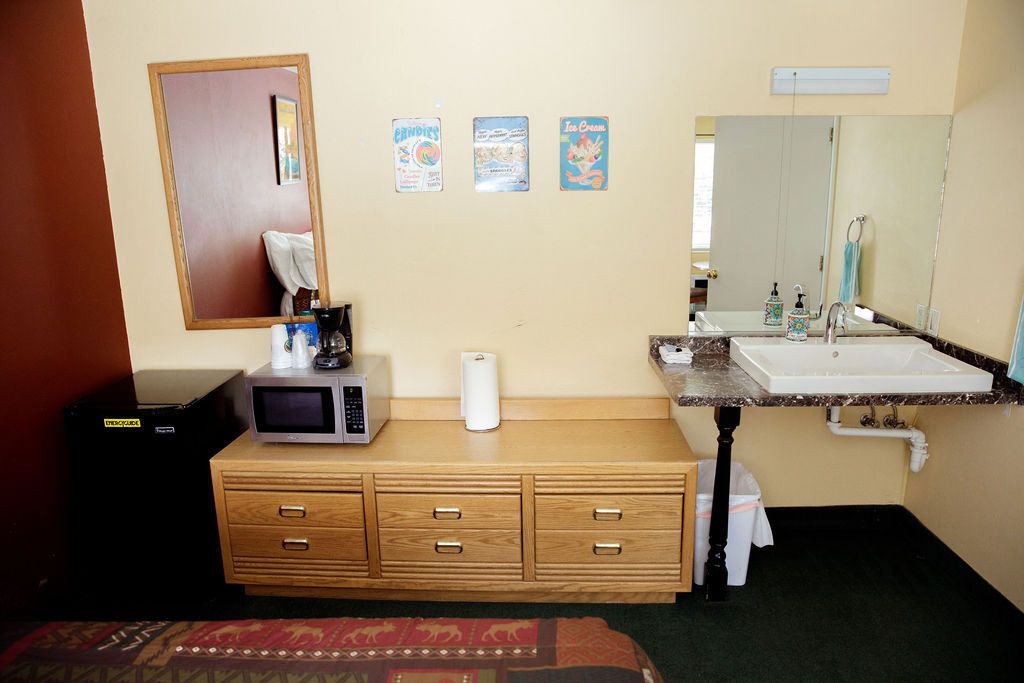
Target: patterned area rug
[(329, 650)]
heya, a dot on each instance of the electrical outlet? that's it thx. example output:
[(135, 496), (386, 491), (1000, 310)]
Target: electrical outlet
[(922, 317), (933, 322)]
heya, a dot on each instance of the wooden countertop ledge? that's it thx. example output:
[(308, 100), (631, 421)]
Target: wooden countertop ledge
[(536, 435)]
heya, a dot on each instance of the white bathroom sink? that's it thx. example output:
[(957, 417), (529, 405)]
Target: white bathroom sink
[(855, 365)]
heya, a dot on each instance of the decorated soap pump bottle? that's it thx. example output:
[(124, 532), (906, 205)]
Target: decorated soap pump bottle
[(798, 319), (773, 308)]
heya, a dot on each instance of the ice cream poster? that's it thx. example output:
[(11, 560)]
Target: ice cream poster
[(501, 154), (583, 142), (417, 155)]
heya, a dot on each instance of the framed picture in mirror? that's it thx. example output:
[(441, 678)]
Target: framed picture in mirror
[(286, 139), (246, 223)]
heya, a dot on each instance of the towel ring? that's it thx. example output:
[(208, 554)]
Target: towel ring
[(856, 219)]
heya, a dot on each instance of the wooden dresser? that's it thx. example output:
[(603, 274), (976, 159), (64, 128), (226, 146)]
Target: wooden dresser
[(560, 510)]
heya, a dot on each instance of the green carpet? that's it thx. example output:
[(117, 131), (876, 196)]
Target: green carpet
[(845, 594)]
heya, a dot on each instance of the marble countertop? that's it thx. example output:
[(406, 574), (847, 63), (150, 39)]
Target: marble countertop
[(714, 379)]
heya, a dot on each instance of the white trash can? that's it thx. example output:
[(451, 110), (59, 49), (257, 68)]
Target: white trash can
[(748, 522)]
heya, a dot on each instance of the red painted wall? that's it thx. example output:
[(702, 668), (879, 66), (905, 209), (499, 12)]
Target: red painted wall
[(225, 171), (64, 329)]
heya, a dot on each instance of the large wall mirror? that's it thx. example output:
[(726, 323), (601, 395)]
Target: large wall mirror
[(778, 198), (238, 151)]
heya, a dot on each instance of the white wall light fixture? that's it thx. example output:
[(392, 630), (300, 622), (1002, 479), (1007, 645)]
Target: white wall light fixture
[(802, 80)]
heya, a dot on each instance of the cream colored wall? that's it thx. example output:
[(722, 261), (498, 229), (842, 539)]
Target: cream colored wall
[(890, 169), (979, 272), (565, 287), (797, 462), (969, 493)]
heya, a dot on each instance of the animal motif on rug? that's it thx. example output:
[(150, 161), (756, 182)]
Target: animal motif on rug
[(435, 631), (304, 632), (230, 632), (370, 633), (510, 630)]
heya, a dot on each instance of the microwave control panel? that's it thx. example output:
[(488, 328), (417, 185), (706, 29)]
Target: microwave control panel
[(355, 412)]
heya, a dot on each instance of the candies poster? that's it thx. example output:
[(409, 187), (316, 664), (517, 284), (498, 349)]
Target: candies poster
[(417, 155), (501, 154), (583, 142)]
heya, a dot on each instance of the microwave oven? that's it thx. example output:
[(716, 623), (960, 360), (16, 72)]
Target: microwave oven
[(306, 405)]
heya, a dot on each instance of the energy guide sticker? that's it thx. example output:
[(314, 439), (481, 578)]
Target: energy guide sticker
[(122, 422)]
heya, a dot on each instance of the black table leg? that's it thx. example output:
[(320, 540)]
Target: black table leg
[(715, 572)]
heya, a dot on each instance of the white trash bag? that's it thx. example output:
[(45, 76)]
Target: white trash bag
[(748, 522)]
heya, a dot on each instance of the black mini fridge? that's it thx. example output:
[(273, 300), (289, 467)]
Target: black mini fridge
[(143, 520)]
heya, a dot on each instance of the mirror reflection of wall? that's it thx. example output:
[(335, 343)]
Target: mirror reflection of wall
[(784, 190), (891, 169), (247, 233)]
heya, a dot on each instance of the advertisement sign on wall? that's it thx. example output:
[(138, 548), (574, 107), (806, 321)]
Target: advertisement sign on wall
[(501, 154), (417, 145), (583, 142)]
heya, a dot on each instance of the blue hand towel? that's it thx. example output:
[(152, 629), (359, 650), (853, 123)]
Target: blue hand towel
[(849, 284), (1016, 370)]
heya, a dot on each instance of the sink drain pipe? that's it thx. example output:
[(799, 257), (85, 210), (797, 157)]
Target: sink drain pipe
[(915, 437)]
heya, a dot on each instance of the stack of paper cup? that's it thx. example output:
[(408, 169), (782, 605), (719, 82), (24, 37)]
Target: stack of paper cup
[(300, 350), (279, 356), (480, 404)]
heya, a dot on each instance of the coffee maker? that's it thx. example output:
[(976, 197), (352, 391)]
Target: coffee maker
[(334, 338)]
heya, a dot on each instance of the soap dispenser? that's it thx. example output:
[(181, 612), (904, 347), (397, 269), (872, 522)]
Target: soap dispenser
[(773, 308), (799, 319)]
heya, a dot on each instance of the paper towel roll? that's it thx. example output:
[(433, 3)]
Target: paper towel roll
[(279, 356), (480, 391)]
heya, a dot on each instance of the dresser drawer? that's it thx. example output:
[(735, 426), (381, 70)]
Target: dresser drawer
[(450, 545), (297, 508), (448, 511), (609, 511), (629, 547), (308, 543)]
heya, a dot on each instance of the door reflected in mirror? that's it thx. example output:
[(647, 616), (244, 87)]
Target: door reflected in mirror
[(239, 160), (776, 200)]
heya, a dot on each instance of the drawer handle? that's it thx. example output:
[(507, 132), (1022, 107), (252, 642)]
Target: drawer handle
[(607, 514), (448, 547), (607, 548), (292, 510), (447, 513), (295, 544)]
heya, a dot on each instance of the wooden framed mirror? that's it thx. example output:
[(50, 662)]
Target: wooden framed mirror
[(238, 151)]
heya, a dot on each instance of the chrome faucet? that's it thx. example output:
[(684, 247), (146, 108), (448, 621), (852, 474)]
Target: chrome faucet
[(832, 320)]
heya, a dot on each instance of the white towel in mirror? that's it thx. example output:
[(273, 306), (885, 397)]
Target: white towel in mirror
[(292, 259)]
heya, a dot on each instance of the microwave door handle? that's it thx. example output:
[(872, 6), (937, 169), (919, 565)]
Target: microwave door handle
[(339, 410)]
